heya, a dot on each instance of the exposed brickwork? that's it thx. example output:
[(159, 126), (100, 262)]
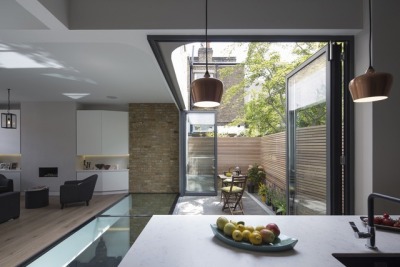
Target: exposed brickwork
[(153, 148)]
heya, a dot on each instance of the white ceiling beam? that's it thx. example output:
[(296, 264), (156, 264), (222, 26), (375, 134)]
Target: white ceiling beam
[(43, 14)]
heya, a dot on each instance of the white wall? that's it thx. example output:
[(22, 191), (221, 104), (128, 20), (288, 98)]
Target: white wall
[(48, 139)]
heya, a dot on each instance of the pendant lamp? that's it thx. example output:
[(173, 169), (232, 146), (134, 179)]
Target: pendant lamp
[(207, 91), (8, 120), (371, 86)]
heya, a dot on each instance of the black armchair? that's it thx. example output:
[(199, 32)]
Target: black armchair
[(6, 185), (77, 190)]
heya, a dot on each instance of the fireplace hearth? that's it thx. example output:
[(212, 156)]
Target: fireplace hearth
[(48, 172)]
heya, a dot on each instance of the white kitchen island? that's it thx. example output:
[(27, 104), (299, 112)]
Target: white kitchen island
[(188, 241)]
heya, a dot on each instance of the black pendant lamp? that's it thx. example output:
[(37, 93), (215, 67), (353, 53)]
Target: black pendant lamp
[(8, 120), (371, 86), (207, 91)]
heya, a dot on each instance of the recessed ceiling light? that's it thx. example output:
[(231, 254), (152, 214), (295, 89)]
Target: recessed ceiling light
[(75, 95), (111, 97)]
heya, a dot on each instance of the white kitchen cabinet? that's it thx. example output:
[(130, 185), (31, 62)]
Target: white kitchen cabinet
[(108, 181), (115, 180), (88, 132), (15, 176), (11, 138), (115, 133), (101, 132)]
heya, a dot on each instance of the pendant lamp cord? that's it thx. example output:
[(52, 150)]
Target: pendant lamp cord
[(370, 35), (206, 74), (8, 111)]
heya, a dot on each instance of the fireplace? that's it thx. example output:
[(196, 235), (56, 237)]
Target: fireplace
[(48, 172)]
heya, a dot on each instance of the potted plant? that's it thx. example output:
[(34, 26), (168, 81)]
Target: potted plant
[(263, 192), (256, 174), (281, 208), (280, 204)]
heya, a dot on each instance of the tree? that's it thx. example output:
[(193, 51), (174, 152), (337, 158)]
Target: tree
[(264, 86)]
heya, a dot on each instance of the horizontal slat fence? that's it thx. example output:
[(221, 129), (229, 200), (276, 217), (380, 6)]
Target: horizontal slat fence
[(273, 152), (238, 151), (311, 169), (270, 152)]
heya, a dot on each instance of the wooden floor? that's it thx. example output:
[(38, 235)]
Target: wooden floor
[(36, 229)]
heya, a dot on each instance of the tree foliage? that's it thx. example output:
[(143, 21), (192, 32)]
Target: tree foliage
[(266, 66)]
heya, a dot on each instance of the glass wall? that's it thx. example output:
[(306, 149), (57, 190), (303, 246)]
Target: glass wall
[(307, 142), (200, 153)]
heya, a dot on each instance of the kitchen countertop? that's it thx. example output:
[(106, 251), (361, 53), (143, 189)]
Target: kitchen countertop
[(187, 240)]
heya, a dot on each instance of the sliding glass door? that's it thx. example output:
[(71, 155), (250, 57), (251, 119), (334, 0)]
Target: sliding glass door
[(314, 134)]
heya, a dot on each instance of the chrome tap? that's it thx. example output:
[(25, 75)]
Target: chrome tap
[(370, 235)]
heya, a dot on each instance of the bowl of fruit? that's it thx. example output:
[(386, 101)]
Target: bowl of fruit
[(263, 238), (385, 222)]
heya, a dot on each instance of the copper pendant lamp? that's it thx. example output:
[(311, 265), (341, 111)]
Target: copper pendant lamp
[(371, 86), (207, 91)]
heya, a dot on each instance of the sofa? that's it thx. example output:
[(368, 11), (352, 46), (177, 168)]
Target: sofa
[(77, 190), (9, 200), (9, 206), (6, 185)]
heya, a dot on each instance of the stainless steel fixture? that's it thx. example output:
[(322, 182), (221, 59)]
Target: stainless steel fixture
[(370, 235)]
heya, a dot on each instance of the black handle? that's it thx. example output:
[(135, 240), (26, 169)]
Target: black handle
[(354, 227)]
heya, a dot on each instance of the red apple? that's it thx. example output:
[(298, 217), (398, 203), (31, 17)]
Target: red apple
[(274, 228), (378, 220), (387, 222), (267, 236)]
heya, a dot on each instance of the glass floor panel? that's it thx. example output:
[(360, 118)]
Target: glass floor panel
[(106, 239)]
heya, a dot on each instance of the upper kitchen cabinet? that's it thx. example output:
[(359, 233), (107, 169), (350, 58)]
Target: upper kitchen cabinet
[(11, 138), (101, 132)]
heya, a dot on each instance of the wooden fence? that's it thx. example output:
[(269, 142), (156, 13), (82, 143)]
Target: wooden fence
[(273, 158), (270, 151)]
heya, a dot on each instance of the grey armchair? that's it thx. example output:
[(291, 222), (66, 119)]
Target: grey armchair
[(77, 191), (6, 185)]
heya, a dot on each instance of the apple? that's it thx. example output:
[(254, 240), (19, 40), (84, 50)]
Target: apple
[(259, 227), (274, 228), (267, 236), (388, 222), (397, 223), (378, 220)]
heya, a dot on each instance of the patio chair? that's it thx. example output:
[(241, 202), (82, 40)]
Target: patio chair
[(232, 195)]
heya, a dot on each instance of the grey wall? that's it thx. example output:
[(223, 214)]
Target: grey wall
[(386, 143), (376, 135), (48, 139)]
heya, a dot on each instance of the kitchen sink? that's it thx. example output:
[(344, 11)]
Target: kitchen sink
[(368, 259)]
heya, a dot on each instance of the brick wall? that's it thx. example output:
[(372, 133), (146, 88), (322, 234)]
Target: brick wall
[(153, 148)]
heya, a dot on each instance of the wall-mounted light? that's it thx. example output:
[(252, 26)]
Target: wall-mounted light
[(8, 120), (207, 91), (371, 86)]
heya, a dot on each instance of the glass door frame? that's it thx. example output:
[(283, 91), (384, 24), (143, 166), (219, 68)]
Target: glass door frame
[(338, 109), (184, 149)]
